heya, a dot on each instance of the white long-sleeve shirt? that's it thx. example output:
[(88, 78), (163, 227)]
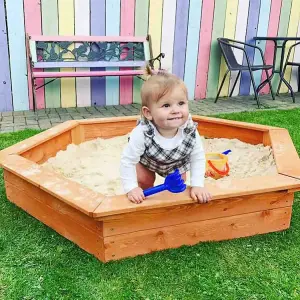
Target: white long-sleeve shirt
[(136, 148)]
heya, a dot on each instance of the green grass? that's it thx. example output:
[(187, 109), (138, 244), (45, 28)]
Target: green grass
[(37, 263)]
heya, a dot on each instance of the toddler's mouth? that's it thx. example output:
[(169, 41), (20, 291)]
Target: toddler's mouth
[(178, 118)]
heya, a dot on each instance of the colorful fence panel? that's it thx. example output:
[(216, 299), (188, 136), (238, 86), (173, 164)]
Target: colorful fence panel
[(185, 30)]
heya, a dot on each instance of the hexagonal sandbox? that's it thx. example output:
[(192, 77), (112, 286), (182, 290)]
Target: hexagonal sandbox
[(112, 227)]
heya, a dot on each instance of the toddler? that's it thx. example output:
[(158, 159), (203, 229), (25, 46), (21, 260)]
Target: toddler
[(165, 139)]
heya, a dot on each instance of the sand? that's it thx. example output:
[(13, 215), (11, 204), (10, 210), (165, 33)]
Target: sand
[(95, 164)]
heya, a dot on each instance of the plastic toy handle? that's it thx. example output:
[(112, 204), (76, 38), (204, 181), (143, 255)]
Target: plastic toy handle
[(226, 152), (154, 190), (225, 172)]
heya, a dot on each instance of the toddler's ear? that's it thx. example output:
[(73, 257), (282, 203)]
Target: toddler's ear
[(146, 113)]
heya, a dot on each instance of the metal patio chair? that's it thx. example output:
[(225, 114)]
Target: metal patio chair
[(227, 46), (292, 64)]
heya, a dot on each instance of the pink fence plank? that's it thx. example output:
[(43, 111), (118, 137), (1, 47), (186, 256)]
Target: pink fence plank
[(272, 31), (127, 29), (33, 25), (204, 48)]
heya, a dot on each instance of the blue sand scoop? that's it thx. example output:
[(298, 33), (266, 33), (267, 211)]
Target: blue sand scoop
[(173, 183), (226, 152)]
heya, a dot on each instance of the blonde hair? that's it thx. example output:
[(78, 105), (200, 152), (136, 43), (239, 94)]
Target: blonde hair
[(159, 84)]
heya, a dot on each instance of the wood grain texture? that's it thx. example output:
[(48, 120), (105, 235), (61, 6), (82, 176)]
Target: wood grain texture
[(180, 37), (82, 28), (182, 214), (168, 29), (147, 241), (251, 32), (229, 32), (240, 35), (33, 25), (272, 31), (140, 29), (262, 30), (127, 29), (67, 221), (50, 28), (98, 87), (17, 54), (5, 82), (66, 27), (285, 12), (292, 31), (215, 53), (207, 16), (190, 67), (112, 27)]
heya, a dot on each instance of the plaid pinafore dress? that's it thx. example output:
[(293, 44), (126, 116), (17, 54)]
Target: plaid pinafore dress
[(162, 161)]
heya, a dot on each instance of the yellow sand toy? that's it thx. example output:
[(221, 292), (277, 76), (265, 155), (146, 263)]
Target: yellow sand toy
[(217, 164)]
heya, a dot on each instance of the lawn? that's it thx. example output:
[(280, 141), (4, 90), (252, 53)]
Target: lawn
[(37, 263)]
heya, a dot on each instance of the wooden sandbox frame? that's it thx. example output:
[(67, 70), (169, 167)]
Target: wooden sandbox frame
[(112, 228)]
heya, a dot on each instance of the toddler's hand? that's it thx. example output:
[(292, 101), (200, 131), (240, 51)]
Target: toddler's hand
[(136, 195), (200, 194)]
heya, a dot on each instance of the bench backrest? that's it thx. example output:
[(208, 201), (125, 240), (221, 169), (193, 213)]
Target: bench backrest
[(88, 51)]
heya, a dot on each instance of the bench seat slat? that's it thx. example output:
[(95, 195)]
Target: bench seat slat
[(89, 64), (87, 74), (61, 38)]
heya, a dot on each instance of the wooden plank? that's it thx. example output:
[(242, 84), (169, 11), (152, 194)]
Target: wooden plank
[(168, 30), (17, 54), (33, 25), (39, 138), (285, 154), (229, 32), (294, 73), (66, 27), (292, 31), (50, 27), (5, 82), (112, 28), (240, 35), (32, 191), (41, 153), (235, 187), (94, 38), (77, 134), (190, 67), (251, 32), (140, 29), (181, 214), (82, 27), (98, 88), (155, 23), (215, 53), (204, 48), (127, 29), (70, 192), (262, 30), (180, 37), (272, 31), (147, 241), (57, 219), (282, 31), (107, 130)]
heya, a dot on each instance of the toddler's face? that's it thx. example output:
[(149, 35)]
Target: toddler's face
[(171, 111)]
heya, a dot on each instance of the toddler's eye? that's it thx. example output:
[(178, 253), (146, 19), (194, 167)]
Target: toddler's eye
[(181, 103), (166, 105)]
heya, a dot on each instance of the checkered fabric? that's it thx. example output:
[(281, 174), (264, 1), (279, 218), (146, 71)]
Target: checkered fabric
[(164, 162)]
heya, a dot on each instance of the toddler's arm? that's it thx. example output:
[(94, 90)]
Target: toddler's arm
[(130, 157), (198, 164)]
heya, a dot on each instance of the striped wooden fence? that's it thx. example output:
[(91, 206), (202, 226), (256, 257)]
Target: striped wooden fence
[(185, 30)]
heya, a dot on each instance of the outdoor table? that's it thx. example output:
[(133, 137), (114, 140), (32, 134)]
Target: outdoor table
[(279, 43)]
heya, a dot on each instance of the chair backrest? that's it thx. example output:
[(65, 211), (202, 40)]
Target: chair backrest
[(228, 53), (88, 51)]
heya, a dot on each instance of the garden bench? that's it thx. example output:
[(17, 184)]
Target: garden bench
[(48, 52)]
